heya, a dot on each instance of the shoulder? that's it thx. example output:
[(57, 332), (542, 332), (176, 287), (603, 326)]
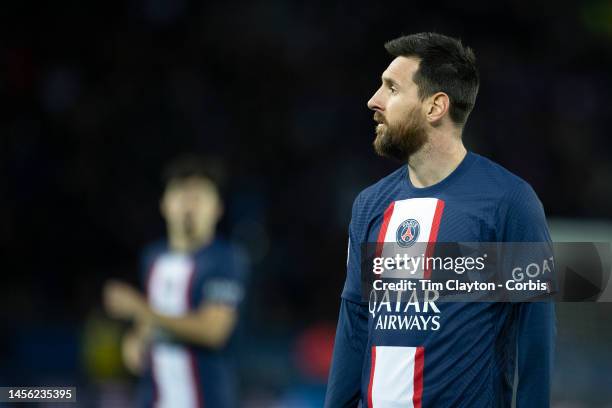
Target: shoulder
[(512, 189), (148, 256), (153, 249), (378, 193), (225, 252), (384, 185), (520, 213), (373, 200), (497, 173), (222, 246)]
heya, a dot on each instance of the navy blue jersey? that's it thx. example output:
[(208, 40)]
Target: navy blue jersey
[(179, 374), (469, 354)]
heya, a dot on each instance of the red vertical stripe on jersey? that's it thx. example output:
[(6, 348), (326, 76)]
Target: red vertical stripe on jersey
[(195, 373), (383, 228), (419, 364), (372, 368), (188, 303), (433, 236)]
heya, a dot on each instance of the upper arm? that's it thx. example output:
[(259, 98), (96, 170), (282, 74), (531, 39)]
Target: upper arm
[(524, 222), (522, 217), (526, 250), (220, 318), (220, 294), (352, 284)]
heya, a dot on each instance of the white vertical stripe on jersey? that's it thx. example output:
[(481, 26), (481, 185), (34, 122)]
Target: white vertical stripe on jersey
[(168, 284), (172, 363), (174, 377), (393, 377), (421, 209)]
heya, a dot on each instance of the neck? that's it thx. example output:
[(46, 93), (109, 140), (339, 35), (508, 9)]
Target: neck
[(183, 243), (438, 158)]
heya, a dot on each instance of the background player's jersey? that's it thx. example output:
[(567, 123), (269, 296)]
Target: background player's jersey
[(450, 354), (181, 374)]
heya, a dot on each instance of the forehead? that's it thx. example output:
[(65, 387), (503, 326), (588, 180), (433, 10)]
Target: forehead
[(193, 183), (401, 70)]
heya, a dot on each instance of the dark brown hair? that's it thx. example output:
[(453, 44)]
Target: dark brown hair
[(445, 66)]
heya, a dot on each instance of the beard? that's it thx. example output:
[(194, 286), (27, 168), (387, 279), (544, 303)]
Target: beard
[(401, 140)]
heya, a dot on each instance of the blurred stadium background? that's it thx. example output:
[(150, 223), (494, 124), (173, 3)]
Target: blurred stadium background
[(98, 95)]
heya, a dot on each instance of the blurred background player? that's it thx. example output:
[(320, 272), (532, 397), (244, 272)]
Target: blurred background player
[(192, 285)]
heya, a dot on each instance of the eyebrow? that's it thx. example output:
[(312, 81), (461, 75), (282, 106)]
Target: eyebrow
[(389, 81)]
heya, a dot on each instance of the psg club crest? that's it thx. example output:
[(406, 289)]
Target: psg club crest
[(407, 233)]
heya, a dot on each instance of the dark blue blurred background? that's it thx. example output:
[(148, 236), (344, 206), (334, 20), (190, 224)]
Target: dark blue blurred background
[(98, 95)]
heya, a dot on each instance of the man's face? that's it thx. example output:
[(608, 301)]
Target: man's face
[(191, 207), (398, 111)]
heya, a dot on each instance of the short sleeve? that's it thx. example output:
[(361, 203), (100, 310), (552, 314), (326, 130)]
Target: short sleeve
[(227, 283)]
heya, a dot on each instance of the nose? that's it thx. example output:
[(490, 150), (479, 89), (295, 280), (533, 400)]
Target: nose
[(375, 102)]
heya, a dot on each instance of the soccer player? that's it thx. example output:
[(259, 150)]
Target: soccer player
[(468, 354), (193, 283)]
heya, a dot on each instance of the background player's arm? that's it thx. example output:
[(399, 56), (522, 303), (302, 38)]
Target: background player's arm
[(210, 325), (134, 345)]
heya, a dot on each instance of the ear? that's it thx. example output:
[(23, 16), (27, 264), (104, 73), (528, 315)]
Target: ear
[(439, 106)]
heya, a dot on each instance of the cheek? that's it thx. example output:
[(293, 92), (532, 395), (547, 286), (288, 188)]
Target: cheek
[(207, 211), (176, 213), (396, 106), (172, 208), (405, 109)]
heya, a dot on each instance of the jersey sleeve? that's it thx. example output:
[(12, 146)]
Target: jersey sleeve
[(344, 383), (522, 216), (352, 284), (535, 335), (535, 353), (227, 284), (526, 249)]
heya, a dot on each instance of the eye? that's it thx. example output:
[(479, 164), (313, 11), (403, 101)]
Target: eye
[(393, 89)]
